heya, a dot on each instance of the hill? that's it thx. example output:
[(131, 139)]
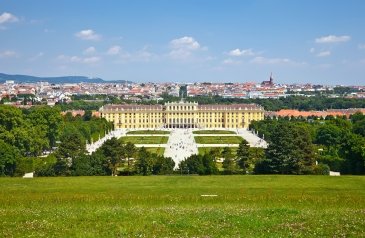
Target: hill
[(63, 79)]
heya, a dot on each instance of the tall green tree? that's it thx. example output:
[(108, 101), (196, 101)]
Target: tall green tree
[(290, 153), (8, 158), (113, 151), (352, 149), (162, 165), (130, 152), (72, 146), (243, 155), (51, 120), (143, 164)]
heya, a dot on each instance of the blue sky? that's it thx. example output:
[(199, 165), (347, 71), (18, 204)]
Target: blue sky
[(186, 40)]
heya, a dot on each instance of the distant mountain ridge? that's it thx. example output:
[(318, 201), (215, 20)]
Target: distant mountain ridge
[(62, 79)]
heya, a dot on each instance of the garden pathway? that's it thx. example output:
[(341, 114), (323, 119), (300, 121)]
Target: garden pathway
[(180, 145)]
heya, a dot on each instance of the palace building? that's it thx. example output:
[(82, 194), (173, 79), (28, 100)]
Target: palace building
[(182, 115)]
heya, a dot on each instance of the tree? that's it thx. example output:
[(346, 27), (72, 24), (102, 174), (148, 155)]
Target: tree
[(130, 152), (229, 166), (352, 149), (359, 127), (8, 158), (113, 151), (198, 164), (162, 165), (72, 146), (143, 164), (243, 155), (227, 153), (290, 153), (50, 119)]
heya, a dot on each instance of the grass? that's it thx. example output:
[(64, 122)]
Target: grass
[(148, 132), (218, 139), (214, 132), (206, 150), (172, 206), (156, 150), (145, 139)]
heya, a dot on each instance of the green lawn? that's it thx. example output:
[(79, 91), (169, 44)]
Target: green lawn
[(145, 139), (218, 139), (206, 150), (214, 132), (148, 132), (156, 150), (172, 206)]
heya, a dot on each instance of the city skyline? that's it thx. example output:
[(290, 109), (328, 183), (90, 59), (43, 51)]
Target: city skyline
[(186, 41)]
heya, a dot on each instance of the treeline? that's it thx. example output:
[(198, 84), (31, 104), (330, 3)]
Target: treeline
[(336, 143), (89, 128), (292, 102), (301, 103), (39, 131), (112, 158)]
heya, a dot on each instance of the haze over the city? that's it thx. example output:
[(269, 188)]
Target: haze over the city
[(320, 42)]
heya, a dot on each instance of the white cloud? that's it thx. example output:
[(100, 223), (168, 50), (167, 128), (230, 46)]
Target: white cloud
[(8, 54), (89, 51), (114, 50), (324, 53), (238, 52), (312, 50), (88, 35), (362, 46), (78, 59), (183, 47), (263, 60), (7, 17), (186, 42), (333, 39)]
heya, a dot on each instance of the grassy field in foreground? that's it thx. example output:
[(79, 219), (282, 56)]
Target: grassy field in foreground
[(172, 206), (145, 139), (148, 132), (218, 139), (156, 150), (213, 132)]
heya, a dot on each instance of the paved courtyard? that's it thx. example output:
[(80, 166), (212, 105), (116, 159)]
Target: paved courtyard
[(181, 143)]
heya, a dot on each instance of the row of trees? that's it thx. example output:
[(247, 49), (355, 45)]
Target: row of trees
[(303, 103), (112, 158)]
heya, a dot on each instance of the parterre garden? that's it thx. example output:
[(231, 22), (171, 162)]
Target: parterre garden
[(218, 139), (214, 132), (145, 139), (148, 132)]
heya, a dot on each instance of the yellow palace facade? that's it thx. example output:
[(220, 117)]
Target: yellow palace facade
[(182, 115)]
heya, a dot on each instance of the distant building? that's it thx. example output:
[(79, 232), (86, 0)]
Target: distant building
[(182, 115), (269, 83)]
